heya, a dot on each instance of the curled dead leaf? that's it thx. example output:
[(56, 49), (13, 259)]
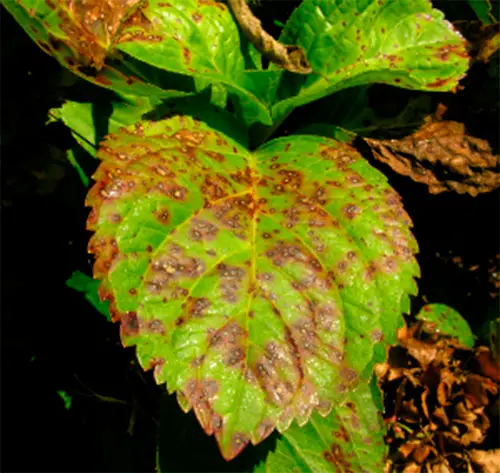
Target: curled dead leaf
[(487, 460), (438, 403), (442, 155)]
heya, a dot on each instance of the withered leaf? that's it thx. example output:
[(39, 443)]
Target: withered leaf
[(444, 157), (488, 460)]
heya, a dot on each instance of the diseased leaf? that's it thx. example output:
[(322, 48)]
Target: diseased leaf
[(258, 285), (441, 155), (90, 122), (349, 440), (441, 318), (82, 36), (199, 39), (405, 43)]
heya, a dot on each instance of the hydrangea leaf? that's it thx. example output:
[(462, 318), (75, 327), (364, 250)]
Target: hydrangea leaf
[(82, 37), (405, 43), (89, 122), (483, 10), (199, 39), (89, 287), (349, 440), (444, 319), (258, 285)]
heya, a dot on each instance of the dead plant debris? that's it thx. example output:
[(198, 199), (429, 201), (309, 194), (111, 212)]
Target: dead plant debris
[(441, 405), (442, 155)]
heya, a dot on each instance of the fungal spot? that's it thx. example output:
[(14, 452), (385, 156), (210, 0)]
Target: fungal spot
[(377, 335), (342, 434), (234, 357), (196, 17), (351, 211), (129, 324), (348, 374), (238, 442), (202, 230), (162, 215), (264, 429), (197, 306), (156, 364), (217, 423), (337, 458), (231, 279), (156, 326), (198, 361)]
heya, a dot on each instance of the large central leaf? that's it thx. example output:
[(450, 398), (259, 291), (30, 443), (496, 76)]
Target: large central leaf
[(258, 285)]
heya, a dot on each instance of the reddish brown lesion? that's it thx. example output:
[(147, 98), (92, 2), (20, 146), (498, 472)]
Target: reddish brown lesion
[(92, 26), (215, 187), (351, 211), (197, 306), (173, 190), (230, 281), (162, 215), (201, 394)]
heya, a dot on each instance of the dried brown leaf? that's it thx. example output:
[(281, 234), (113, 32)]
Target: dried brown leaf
[(487, 460), (442, 155)]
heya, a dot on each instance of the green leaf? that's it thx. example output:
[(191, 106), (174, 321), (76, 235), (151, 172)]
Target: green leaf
[(89, 287), (67, 399), (443, 319), (70, 154), (405, 43), (199, 39), (258, 285), (483, 10), (349, 440), (90, 122)]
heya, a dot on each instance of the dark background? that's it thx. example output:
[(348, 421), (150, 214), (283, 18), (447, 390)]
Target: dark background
[(53, 340)]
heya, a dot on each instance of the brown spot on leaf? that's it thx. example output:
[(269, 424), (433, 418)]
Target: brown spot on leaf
[(201, 230), (238, 443), (351, 211), (162, 215), (129, 324), (339, 461), (231, 279), (197, 306)]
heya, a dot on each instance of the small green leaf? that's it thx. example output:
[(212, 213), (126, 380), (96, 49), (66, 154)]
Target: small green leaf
[(405, 43), (443, 319), (258, 285), (67, 399), (81, 173), (349, 440), (483, 10), (89, 287)]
